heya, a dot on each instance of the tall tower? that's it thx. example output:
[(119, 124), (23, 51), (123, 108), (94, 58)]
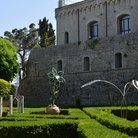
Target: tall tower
[(61, 3)]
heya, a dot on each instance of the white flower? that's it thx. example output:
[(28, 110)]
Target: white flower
[(57, 77)]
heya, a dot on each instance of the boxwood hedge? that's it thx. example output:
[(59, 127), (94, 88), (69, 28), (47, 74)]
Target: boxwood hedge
[(98, 122), (105, 116)]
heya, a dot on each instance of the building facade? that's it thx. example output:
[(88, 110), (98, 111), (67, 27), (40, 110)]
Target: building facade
[(91, 19), (83, 57), (114, 59)]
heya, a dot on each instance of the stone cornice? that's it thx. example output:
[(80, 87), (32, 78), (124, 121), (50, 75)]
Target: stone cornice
[(83, 5)]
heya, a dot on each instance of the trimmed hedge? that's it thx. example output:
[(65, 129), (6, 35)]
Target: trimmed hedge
[(105, 117), (93, 129), (49, 128), (41, 113), (4, 114), (17, 119), (132, 115), (71, 123)]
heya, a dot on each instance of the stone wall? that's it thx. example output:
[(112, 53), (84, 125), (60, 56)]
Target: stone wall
[(75, 18), (36, 89)]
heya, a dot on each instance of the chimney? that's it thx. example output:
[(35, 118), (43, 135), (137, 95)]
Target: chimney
[(61, 3)]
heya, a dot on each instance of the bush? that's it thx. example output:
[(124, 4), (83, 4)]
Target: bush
[(41, 113), (71, 123), (4, 114), (105, 117), (5, 87), (9, 66), (132, 115), (50, 128), (93, 129), (36, 47)]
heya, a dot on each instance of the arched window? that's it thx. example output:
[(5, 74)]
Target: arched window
[(125, 24), (66, 37), (59, 65), (86, 63), (118, 60), (93, 28)]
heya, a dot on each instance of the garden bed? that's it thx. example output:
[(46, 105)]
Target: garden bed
[(132, 115), (70, 123), (105, 117)]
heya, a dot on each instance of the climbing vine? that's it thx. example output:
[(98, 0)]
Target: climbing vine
[(92, 44)]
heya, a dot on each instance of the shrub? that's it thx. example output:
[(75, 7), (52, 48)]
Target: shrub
[(9, 66), (5, 87), (36, 47), (52, 128), (111, 121), (71, 113), (72, 123), (93, 129), (4, 114)]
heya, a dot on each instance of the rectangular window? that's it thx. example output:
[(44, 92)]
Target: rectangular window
[(94, 30), (118, 60), (125, 25)]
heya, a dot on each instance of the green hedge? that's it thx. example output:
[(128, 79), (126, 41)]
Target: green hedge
[(49, 128), (71, 123), (57, 128), (4, 114), (18, 119), (105, 117), (41, 113), (132, 115), (93, 129)]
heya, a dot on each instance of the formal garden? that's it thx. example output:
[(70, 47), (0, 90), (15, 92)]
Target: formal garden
[(88, 122), (55, 121)]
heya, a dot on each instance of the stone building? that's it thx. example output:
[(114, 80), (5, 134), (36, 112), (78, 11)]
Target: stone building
[(97, 39), (92, 19)]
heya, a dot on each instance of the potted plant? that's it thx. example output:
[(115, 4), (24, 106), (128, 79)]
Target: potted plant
[(55, 79)]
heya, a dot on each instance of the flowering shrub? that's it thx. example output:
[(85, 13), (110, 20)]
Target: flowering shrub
[(5, 87), (55, 79)]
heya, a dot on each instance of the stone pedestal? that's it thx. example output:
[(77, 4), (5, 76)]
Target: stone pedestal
[(1, 102), (20, 103), (11, 105)]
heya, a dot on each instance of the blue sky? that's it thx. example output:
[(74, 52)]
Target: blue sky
[(21, 13)]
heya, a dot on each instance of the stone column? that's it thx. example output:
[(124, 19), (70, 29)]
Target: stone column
[(11, 105), (22, 104), (1, 102), (19, 104)]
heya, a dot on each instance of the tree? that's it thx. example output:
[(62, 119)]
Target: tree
[(24, 40), (5, 87), (9, 66), (46, 32)]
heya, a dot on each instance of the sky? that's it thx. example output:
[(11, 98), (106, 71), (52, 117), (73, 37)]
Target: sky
[(21, 13)]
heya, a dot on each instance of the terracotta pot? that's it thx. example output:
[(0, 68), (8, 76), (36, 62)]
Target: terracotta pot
[(52, 109)]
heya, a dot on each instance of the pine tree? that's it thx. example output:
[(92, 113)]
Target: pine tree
[(46, 33), (24, 40)]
